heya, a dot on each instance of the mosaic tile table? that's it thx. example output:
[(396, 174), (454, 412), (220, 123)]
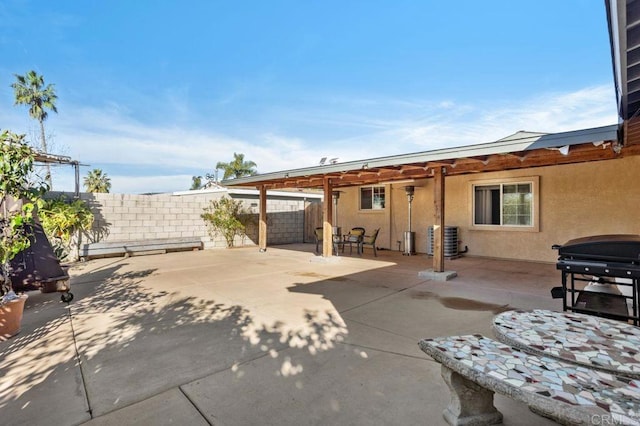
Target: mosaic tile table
[(604, 344), (474, 367)]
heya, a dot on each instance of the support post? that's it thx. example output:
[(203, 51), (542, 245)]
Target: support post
[(438, 219), (76, 167), (327, 219), (262, 226)]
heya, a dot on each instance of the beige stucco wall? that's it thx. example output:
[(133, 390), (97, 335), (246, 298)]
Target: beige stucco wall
[(575, 200)]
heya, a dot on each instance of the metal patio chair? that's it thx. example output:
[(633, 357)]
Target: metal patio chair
[(370, 240), (354, 236)]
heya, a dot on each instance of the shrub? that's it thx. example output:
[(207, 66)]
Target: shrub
[(61, 219), (227, 218)]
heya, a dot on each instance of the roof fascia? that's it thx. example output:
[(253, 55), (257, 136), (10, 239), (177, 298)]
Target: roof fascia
[(617, 26), (248, 191)]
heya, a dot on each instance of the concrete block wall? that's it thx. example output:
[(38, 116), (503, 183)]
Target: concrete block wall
[(128, 217), (285, 221)]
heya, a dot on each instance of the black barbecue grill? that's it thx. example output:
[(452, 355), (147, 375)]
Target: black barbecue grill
[(600, 259)]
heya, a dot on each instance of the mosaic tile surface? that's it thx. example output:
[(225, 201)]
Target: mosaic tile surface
[(598, 392), (582, 339)]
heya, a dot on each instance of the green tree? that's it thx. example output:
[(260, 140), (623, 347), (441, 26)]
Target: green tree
[(30, 90), (228, 218), (96, 181), (238, 167), (18, 197), (196, 182)]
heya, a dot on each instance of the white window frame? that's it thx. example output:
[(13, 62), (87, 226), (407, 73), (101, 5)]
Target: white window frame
[(373, 204), (534, 181)]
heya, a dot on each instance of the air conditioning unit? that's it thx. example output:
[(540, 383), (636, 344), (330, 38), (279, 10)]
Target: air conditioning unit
[(450, 242)]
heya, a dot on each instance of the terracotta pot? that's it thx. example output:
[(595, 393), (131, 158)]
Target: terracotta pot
[(11, 317)]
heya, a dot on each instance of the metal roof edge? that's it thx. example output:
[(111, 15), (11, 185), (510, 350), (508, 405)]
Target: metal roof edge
[(527, 142), (576, 137), (248, 191), (199, 191)]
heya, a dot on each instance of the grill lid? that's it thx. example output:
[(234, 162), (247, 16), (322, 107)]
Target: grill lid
[(618, 247)]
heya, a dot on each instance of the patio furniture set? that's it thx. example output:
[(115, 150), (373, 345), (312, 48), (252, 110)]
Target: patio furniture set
[(570, 367), (356, 236)]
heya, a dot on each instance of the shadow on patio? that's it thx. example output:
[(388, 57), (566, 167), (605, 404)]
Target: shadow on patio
[(248, 336)]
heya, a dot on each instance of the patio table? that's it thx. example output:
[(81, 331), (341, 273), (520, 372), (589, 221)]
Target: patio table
[(599, 343)]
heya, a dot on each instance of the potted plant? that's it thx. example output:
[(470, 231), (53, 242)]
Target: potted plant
[(18, 197)]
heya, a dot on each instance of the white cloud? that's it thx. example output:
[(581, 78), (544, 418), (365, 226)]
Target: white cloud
[(349, 129), (466, 124), (109, 137)]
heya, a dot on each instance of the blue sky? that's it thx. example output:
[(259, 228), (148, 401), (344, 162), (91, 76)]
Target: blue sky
[(153, 92)]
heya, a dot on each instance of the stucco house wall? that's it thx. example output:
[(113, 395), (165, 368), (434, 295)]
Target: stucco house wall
[(575, 200)]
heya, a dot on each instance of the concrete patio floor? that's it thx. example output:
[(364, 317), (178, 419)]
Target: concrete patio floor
[(238, 337)]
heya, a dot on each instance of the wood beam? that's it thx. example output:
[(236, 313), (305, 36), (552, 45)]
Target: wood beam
[(630, 150), (327, 218), (519, 156), (525, 159), (537, 158), (439, 163), (483, 159), (262, 225), (632, 131), (409, 167), (438, 219)]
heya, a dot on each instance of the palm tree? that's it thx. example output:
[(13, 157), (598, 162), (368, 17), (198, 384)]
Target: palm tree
[(238, 167), (30, 90), (96, 181), (196, 182)]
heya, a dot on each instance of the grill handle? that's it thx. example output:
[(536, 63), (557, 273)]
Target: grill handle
[(556, 247)]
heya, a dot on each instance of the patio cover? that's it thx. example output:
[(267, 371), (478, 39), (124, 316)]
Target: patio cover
[(45, 158), (520, 150)]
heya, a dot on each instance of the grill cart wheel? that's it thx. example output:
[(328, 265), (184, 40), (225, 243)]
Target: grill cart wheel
[(66, 297)]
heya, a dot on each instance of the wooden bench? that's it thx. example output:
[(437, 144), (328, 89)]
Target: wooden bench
[(140, 247), (475, 367)]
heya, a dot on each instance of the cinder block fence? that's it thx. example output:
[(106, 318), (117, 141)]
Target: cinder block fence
[(129, 217)]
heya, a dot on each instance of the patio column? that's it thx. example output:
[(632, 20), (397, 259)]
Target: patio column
[(262, 225), (327, 218), (76, 193), (438, 219)]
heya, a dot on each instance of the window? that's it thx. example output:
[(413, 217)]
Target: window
[(505, 204), (372, 198)]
